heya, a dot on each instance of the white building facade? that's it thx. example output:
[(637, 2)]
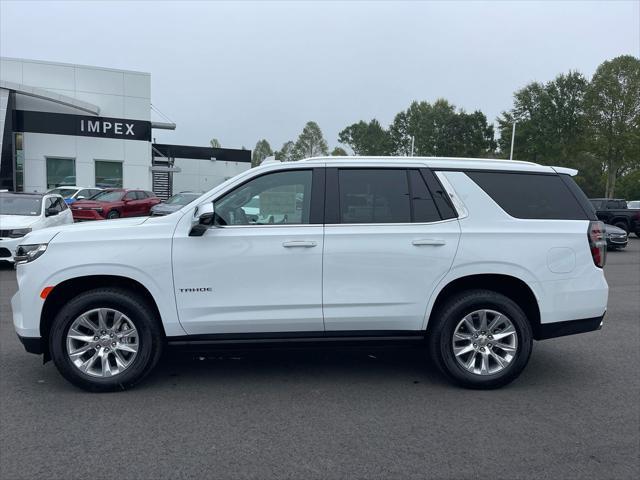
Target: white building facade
[(66, 124)]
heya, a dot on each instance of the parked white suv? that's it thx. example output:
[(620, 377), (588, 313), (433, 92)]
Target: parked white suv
[(475, 258)]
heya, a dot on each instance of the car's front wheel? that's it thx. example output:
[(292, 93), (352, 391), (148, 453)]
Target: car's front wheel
[(105, 339), (480, 339), (113, 214)]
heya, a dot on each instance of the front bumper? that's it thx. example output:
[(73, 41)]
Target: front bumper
[(8, 248), (88, 214), (571, 327)]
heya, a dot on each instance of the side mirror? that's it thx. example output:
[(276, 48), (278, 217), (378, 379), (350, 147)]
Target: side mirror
[(204, 218), (51, 212)]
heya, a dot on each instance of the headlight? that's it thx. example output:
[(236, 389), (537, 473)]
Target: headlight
[(28, 253), (18, 232)]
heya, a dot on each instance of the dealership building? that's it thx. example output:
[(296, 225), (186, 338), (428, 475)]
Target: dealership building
[(65, 124)]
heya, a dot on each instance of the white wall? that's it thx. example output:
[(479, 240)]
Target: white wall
[(203, 175)]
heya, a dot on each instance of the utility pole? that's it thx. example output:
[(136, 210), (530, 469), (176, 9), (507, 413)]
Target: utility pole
[(412, 144), (513, 137)]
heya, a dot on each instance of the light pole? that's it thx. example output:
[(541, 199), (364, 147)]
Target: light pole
[(412, 144), (513, 137)]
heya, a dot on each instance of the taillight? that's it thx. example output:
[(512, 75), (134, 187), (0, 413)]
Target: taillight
[(597, 243)]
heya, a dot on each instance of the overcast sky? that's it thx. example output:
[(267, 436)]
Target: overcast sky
[(241, 71)]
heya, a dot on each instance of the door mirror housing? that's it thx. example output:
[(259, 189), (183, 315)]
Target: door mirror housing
[(204, 217), (51, 211)]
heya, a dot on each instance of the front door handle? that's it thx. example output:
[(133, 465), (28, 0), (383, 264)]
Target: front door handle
[(300, 243), (429, 241)]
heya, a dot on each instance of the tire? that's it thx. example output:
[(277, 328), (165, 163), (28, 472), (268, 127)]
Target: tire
[(113, 214), (622, 225), (450, 319), (138, 329)]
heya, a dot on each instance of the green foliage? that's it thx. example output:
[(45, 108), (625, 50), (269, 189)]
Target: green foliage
[(310, 143), (285, 154), (367, 138), (214, 143), (613, 106), (551, 122), (629, 186), (260, 152), (591, 126), (339, 152)]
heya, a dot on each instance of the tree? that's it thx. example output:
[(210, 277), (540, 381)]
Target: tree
[(339, 152), (285, 154), (310, 143), (260, 152), (438, 130), (613, 106), (367, 138), (551, 121), (214, 143)]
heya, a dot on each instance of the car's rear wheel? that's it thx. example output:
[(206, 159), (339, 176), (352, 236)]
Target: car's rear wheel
[(105, 339), (480, 339), (113, 214)]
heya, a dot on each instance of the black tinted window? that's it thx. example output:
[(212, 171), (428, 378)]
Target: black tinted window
[(530, 195), (374, 196), (130, 196), (424, 208)]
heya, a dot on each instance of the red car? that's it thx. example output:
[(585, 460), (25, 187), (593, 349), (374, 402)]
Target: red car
[(114, 203)]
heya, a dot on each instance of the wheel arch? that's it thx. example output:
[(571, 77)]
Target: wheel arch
[(72, 287), (508, 285)]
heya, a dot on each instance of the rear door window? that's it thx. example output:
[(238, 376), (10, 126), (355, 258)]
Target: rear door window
[(374, 196), (531, 196)]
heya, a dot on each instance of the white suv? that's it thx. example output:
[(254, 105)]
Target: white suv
[(475, 258)]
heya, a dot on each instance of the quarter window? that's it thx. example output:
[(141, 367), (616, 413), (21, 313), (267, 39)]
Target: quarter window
[(275, 198), (424, 208), (528, 195)]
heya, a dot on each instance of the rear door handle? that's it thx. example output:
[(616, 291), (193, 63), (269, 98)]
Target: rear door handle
[(429, 241), (300, 243)]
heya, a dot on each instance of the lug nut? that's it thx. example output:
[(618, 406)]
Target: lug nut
[(96, 338), (481, 349), (489, 345), (475, 344), (483, 332), (113, 344), (106, 349), (475, 335), (490, 337), (103, 332), (111, 335)]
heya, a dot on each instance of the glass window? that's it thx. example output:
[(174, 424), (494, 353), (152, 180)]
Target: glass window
[(20, 204), (424, 208), (374, 196), (275, 198), (19, 139), (83, 194), (60, 171), (108, 174), (531, 195), (109, 196), (130, 196)]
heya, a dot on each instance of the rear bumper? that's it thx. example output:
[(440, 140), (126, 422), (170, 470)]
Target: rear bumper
[(571, 327)]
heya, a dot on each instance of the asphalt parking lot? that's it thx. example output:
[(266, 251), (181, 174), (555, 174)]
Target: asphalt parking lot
[(336, 413)]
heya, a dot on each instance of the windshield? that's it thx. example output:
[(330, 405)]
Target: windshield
[(64, 192), (19, 205), (182, 198), (108, 196)]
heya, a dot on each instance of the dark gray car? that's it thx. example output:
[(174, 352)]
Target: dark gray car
[(174, 203)]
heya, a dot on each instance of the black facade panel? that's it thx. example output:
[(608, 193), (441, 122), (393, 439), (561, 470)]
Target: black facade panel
[(82, 125), (7, 162), (203, 153)]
